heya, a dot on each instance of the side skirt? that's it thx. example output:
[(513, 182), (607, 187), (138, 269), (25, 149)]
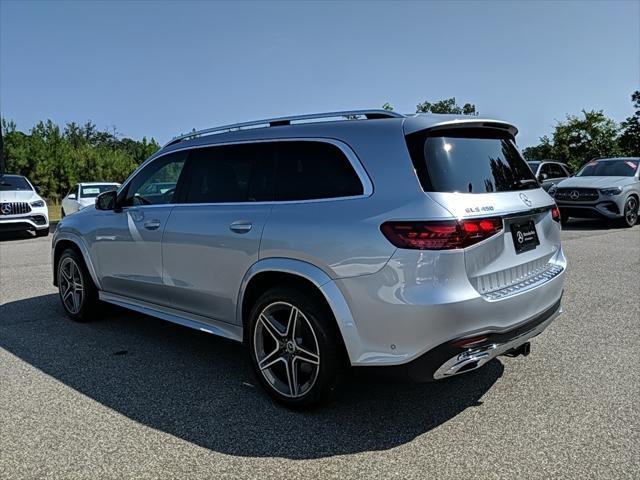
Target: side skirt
[(197, 322)]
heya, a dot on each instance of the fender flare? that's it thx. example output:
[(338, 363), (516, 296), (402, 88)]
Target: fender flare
[(327, 287), (82, 247)]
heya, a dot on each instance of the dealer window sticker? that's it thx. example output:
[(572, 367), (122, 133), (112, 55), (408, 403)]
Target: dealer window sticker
[(632, 164), (90, 191)]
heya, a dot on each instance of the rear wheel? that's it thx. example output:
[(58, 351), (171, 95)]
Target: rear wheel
[(295, 348), (630, 212), (78, 294)]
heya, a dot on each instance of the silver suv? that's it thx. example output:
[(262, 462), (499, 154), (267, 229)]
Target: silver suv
[(422, 244)]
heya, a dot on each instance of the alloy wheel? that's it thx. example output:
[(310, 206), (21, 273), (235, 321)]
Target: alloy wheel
[(286, 349), (71, 287), (631, 211)]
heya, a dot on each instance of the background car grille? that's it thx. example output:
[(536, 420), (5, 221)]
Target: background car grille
[(14, 208), (577, 194)]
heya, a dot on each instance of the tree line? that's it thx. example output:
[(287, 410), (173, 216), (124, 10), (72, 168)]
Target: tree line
[(55, 158)]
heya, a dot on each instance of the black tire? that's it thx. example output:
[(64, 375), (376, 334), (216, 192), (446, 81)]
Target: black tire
[(88, 302), (331, 356), (42, 233), (630, 213)]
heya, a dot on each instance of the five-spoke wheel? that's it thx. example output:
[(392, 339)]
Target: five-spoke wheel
[(631, 212), (78, 293), (295, 348)]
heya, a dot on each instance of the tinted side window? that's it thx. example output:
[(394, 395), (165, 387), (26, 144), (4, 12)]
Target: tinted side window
[(546, 170), (233, 173), (557, 171), (156, 183), (314, 170)]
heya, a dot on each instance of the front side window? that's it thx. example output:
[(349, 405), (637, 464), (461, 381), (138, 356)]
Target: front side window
[(92, 191), (231, 173), (556, 171), (156, 183), (469, 160), (609, 168), (309, 170)]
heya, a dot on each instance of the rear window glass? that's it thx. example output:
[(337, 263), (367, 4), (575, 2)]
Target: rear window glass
[(314, 170), (469, 161)]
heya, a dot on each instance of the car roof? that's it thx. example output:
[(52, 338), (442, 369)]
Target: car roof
[(611, 159), (83, 184)]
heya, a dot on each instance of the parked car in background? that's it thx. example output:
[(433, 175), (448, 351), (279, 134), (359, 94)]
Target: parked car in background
[(84, 194), (604, 188), (549, 172), (302, 239), (21, 208)]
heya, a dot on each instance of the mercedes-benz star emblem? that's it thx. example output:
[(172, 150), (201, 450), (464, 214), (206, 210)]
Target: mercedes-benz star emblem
[(574, 195), (520, 237), (5, 209), (525, 200)]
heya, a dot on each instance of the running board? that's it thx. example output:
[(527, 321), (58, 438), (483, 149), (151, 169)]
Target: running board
[(197, 322)]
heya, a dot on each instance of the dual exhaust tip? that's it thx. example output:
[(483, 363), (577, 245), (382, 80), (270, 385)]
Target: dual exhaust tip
[(524, 350)]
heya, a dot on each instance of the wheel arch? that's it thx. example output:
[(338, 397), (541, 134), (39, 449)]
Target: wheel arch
[(267, 272), (64, 241)]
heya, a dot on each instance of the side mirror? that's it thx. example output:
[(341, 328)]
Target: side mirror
[(72, 196), (107, 200)]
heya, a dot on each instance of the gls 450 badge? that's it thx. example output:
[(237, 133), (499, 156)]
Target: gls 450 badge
[(486, 208)]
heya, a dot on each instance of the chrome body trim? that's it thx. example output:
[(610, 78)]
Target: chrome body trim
[(196, 322), (367, 185), (473, 359), (537, 278)]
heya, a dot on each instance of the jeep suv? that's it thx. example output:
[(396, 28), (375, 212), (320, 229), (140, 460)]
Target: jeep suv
[(419, 244)]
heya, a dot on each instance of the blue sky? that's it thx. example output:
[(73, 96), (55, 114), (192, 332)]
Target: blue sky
[(160, 68)]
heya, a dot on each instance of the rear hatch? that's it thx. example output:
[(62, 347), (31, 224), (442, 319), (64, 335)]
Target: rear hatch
[(477, 172)]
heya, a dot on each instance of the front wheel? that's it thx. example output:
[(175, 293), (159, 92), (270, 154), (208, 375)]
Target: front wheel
[(630, 212), (295, 347), (78, 294)]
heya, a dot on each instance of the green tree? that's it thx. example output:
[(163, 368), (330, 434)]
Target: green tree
[(629, 139), (542, 151), (448, 105)]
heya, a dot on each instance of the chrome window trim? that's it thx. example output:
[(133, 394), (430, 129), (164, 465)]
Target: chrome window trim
[(348, 152)]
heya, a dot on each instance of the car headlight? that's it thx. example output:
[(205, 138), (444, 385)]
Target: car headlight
[(611, 191), (552, 190), (37, 203)]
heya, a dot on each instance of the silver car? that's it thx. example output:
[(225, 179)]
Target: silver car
[(419, 244), (606, 188)]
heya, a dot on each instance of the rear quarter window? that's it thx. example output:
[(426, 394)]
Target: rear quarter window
[(469, 161), (314, 170)]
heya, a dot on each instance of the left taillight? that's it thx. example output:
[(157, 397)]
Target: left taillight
[(440, 235)]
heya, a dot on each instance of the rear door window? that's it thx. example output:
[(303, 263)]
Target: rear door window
[(469, 160), (309, 170), (230, 174)]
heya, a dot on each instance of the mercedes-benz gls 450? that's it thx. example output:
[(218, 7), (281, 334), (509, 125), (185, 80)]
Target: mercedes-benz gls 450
[(419, 244)]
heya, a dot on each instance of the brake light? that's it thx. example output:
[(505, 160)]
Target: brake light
[(555, 213), (440, 235)]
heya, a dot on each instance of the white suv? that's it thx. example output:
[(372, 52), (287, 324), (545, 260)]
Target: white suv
[(83, 195), (21, 208)]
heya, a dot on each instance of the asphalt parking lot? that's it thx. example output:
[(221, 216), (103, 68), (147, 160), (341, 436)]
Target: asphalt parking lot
[(129, 396)]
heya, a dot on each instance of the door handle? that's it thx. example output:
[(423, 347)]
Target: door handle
[(240, 226), (152, 224)]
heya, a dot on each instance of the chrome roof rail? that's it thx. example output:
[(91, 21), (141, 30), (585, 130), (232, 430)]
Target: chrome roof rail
[(280, 121)]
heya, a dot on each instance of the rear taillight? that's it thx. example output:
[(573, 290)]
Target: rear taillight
[(555, 213), (440, 235)]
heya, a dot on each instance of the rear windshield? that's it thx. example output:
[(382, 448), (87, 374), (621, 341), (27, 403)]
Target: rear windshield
[(13, 182), (609, 168), (90, 191), (469, 161)]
